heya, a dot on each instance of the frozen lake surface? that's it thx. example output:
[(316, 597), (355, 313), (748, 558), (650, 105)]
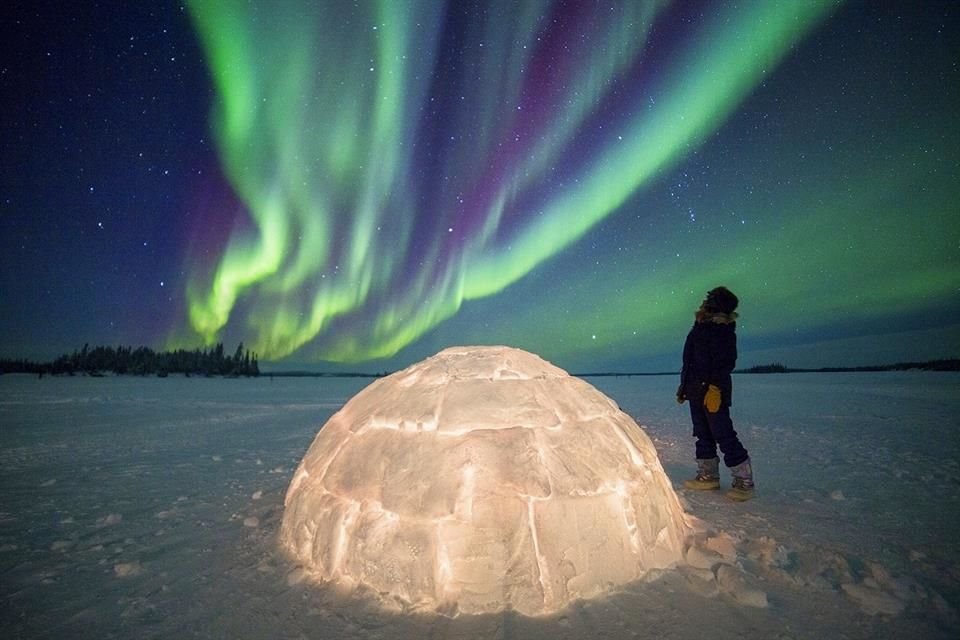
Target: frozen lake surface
[(136, 508)]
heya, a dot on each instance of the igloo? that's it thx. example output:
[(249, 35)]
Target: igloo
[(481, 479)]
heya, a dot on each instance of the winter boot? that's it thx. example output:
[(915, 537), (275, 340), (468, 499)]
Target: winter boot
[(708, 475), (742, 488)]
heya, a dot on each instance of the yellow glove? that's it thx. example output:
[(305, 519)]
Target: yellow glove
[(712, 400)]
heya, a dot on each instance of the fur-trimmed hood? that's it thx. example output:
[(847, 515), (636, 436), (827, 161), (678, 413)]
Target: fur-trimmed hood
[(717, 318)]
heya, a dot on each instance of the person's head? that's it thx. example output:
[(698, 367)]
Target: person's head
[(720, 300)]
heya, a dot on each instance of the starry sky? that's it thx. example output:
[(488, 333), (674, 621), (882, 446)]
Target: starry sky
[(356, 185)]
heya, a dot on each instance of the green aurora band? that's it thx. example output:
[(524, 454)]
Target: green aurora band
[(318, 121)]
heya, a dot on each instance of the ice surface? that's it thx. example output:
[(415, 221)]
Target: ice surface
[(480, 479), (139, 448)]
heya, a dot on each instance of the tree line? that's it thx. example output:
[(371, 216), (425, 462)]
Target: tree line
[(142, 361), (944, 364)]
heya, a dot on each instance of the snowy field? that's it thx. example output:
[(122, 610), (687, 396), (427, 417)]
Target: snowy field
[(149, 508)]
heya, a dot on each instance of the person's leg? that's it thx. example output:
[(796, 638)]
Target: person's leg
[(721, 428), (706, 446), (708, 465), (734, 454), (742, 488)]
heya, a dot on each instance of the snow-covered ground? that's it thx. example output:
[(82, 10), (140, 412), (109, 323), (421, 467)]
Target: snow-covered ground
[(134, 508)]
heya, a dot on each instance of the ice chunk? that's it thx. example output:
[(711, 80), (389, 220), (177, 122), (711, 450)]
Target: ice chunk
[(702, 558), (872, 600), (732, 582), (109, 520), (127, 569), (723, 545)]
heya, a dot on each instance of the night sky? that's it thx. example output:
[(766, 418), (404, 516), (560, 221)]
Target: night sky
[(360, 184)]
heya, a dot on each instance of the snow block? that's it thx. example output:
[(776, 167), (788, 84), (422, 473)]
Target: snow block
[(482, 479), (732, 582)]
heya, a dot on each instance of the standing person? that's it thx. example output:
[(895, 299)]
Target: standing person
[(709, 355)]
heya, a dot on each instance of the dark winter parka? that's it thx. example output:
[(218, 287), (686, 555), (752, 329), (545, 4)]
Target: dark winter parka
[(709, 356)]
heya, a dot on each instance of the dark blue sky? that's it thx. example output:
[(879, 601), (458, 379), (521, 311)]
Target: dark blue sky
[(825, 192)]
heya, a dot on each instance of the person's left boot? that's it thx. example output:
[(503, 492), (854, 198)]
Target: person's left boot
[(742, 488), (708, 475)]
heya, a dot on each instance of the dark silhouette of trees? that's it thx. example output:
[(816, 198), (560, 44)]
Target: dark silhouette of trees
[(944, 364), (775, 367), (142, 361)]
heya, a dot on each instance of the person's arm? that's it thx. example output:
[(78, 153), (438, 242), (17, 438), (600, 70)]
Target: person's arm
[(723, 359), (723, 356)]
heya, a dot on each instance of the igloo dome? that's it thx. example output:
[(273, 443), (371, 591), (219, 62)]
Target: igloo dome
[(481, 479)]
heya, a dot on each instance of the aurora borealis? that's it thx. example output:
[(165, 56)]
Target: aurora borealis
[(362, 184)]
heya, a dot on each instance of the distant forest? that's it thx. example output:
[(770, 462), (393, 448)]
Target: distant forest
[(948, 364), (142, 361)]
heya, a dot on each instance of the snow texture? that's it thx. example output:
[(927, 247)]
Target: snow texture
[(125, 499), (480, 479)]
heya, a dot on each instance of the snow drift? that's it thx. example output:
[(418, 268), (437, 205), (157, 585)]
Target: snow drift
[(480, 479)]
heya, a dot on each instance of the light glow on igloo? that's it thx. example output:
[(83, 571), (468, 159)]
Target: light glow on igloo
[(480, 479)]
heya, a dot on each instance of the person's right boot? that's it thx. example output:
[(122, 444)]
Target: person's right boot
[(708, 475), (742, 488)]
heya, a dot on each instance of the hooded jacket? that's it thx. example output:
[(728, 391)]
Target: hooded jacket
[(709, 355)]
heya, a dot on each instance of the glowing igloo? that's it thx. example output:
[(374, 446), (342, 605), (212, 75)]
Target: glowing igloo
[(480, 479)]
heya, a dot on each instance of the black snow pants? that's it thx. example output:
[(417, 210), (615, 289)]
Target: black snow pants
[(714, 429)]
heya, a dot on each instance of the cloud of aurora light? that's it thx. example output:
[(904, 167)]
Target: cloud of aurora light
[(400, 158)]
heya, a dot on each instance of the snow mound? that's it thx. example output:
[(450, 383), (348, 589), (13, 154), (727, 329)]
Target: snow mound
[(480, 479)]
